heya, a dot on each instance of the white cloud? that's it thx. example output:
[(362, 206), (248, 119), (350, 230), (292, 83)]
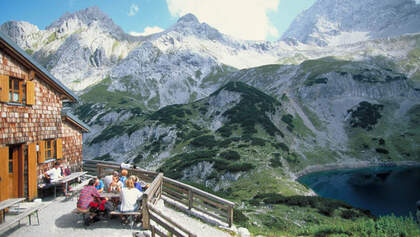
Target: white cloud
[(246, 19), (133, 9), (147, 31), (417, 1)]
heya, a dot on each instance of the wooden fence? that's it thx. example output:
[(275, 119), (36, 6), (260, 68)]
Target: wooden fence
[(195, 198), (191, 197)]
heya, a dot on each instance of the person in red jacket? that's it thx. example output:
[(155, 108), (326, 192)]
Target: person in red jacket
[(88, 195)]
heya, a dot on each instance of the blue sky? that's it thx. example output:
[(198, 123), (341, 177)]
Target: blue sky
[(246, 19)]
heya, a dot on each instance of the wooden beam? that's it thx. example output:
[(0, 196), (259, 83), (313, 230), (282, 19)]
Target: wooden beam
[(145, 212), (172, 222), (200, 192)]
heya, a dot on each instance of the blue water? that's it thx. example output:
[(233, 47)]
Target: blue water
[(382, 190)]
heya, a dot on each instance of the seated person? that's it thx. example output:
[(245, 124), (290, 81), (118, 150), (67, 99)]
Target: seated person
[(129, 196), (115, 186), (144, 186), (123, 177), (99, 185), (88, 195), (65, 171), (107, 180), (54, 173), (136, 182)]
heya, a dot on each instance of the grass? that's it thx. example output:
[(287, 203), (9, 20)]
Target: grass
[(51, 38), (273, 214), (313, 117), (317, 67), (29, 51), (214, 76), (116, 100), (399, 136), (319, 155)]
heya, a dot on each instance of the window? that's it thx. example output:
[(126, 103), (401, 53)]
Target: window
[(16, 90), (50, 149), (47, 150)]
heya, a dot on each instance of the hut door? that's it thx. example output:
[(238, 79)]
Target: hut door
[(15, 169)]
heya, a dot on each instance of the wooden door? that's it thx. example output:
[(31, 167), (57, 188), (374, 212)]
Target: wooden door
[(4, 173), (14, 155)]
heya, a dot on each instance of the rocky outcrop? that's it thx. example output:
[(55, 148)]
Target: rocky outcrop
[(330, 22)]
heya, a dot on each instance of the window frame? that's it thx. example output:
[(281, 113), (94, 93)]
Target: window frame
[(52, 149), (21, 91)]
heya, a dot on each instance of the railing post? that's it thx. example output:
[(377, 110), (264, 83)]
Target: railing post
[(153, 231), (145, 212), (230, 216), (99, 169), (190, 199)]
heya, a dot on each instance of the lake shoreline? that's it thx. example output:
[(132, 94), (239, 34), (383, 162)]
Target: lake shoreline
[(352, 165)]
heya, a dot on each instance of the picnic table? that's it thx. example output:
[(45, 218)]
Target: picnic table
[(64, 180), (6, 204), (110, 195)]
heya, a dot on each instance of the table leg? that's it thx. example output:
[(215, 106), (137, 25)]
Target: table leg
[(65, 190), (55, 191)]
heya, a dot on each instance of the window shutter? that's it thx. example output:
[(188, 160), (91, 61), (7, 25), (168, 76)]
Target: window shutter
[(30, 92), (4, 88), (32, 172), (4, 173), (59, 143), (41, 153)]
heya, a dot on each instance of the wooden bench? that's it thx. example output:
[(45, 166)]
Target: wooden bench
[(6, 204), (133, 213), (26, 213)]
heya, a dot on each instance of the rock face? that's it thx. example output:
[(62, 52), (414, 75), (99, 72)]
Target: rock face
[(79, 49), (331, 22)]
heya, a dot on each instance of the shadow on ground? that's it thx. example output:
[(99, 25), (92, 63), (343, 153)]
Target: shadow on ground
[(71, 220)]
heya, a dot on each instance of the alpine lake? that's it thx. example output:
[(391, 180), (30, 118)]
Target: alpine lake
[(382, 190)]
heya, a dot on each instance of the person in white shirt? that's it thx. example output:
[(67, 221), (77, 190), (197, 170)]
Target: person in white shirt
[(109, 178), (54, 173), (129, 196)]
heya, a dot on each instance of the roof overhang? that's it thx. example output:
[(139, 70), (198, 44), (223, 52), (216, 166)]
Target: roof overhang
[(76, 122)]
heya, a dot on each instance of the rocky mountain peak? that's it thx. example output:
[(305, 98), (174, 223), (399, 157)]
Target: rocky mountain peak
[(188, 18), (19, 32), (89, 17), (331, 22)]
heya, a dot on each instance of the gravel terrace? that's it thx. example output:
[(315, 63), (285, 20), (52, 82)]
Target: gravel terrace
[(57, 219)]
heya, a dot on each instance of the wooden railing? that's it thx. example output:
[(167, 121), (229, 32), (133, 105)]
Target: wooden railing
[(150, 197), (191, 197), (195, 198), (167, 223)]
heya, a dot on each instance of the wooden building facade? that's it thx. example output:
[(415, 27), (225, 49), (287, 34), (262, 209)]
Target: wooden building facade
[(34, 130)]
